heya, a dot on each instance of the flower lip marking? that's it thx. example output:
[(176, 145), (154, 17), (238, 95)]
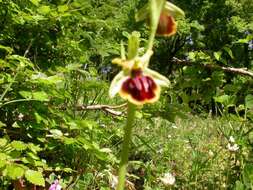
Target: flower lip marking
[(139, 88), (166, 26)]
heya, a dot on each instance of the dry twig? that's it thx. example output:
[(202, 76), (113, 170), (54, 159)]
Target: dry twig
[(106, 108)]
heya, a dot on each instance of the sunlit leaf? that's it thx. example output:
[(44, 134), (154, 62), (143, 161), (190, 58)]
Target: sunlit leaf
[(56, 133), (249, 101), (62, 8), (217, 55), (35, 177), (3, 142), (35, 2), (18, 145), (229, 51), (14, 171), (44, 9)]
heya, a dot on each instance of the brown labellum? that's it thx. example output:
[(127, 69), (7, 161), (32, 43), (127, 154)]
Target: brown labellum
[(166, 26)]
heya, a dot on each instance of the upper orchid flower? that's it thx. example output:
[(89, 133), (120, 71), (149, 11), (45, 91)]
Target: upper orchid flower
[(136, 82), (162, 12)]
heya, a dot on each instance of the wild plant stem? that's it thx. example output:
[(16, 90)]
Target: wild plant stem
[(151, 39), (125, 146)]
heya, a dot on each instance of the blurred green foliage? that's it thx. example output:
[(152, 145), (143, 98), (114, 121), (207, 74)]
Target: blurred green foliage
[(55, 59)]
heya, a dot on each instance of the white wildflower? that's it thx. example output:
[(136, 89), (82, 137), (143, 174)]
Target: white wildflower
[(113, 181), (168, 179), (210, 153), (231, 139), (232, 148), (20, 117), (174, 126)]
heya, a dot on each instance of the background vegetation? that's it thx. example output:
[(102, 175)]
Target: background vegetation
[(56, 119)]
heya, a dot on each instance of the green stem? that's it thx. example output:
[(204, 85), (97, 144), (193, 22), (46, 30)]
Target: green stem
[(151, 39), (156, 7), (125, 146), (19, 100)]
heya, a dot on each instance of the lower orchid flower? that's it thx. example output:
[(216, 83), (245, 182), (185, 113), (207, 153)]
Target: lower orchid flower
[(136, 82)]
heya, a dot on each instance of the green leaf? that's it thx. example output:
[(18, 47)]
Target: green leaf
[(68, 170), (248, 175), (34, 148), (3, 142), (56, 133), (191, 56), (42, 78), (44, 9), (15, 125), (14, 171), (125, 34), (217, 55), (26, 94), (229, 51), (41, 96), (35, 177), (225, 100), (249, 101), (2, 124), (2, 163), (35, 2), (32, 155), (8, 49), (18, 145), (239, 185), (69, 140), (62, 8)]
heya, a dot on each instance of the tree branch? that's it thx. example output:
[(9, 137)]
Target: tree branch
[(28, 48), (106, 108), (240, 71)]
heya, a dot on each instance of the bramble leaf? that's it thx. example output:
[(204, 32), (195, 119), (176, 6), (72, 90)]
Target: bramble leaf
[(35, 177)]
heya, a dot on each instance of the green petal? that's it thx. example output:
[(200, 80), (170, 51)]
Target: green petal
[(117, 83), (173, 9), (158, 78)]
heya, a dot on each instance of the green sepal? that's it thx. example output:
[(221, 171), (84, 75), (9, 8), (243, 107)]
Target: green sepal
[(169, 7), (133, 45), (117, 83), (122, 51), (173, 10)]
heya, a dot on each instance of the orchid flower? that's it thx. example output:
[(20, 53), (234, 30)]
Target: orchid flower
[(136, 82), (163, 14)]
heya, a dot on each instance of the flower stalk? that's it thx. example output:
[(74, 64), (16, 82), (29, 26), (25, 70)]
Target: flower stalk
[(133, 46), (136, 82), (125, 146)]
